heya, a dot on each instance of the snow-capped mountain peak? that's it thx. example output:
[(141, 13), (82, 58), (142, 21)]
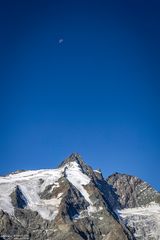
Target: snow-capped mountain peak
[(75, 202)]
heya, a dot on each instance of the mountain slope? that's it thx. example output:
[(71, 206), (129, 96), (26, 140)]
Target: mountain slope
[(64, 203), (132, 191), (74, 202), (138, 205)]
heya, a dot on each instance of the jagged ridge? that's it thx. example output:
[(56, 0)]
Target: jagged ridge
[(70, 202)]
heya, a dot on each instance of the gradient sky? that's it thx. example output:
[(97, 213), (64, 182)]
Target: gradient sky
[(80, 76)]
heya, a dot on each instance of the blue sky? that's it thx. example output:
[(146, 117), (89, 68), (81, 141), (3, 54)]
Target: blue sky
[(96, 93)]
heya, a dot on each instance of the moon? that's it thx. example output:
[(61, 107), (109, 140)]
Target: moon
[(61, 40)]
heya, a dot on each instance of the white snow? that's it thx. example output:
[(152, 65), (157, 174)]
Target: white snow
[(29, 183), (151, 209), (32, 183), (100, 208), (97, 171), (145, 220), (79, 180)]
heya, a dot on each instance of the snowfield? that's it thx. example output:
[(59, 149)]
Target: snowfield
[(145, 221), (32, 183)]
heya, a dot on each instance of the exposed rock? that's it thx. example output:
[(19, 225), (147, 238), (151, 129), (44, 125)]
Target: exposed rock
[(72, 202), (18, 199), (131, 191), (138, 205)]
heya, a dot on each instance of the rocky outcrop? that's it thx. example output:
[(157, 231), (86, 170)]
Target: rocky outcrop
[(70, 202), (138, 205), (18, 199), (131, 191), (10, 227)]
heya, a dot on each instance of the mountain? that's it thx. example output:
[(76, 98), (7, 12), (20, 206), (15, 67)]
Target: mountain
[(75, 202), (139, 205)]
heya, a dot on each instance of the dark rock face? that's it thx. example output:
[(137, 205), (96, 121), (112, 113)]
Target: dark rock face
[(9, 227), (80, 204), (18, 199), (131, 191), (157, 198), (138, 204)]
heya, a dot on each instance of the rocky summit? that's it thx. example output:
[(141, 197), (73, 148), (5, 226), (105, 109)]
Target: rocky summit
[(75, 202)]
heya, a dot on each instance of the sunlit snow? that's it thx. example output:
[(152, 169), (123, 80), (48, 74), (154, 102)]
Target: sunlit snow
[(29, 183), (79, 180), (145, 221), (32, 183)]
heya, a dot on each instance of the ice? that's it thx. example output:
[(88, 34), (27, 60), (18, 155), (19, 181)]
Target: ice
[(145, 220), (78, 179), (30, 186), (32, 183), (97, 171)]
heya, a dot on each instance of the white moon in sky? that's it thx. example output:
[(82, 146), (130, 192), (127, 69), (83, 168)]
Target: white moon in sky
[(61, 40)]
